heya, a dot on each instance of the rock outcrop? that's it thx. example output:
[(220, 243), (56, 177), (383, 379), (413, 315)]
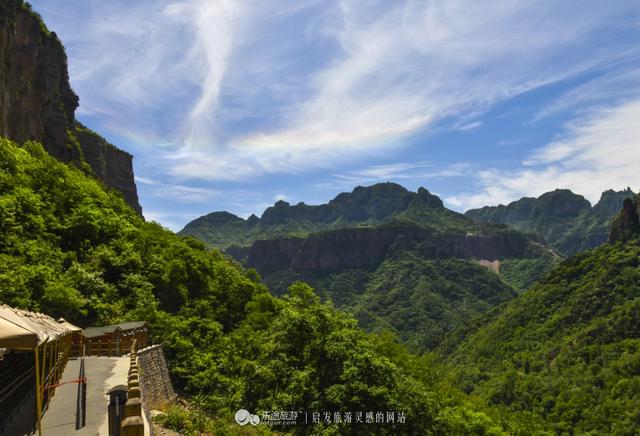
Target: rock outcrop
[(626, 225), (37, 102)]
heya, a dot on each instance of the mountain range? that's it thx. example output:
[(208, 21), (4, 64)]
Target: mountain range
[(566, 221), (396, 259)]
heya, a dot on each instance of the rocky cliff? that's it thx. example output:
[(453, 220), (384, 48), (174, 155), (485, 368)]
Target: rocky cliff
[(37, 102), (366, 248)]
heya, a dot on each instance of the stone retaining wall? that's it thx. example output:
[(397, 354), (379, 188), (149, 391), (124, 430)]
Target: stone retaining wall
[(154, 381)]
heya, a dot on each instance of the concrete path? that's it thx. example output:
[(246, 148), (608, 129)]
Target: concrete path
[(102, 374)]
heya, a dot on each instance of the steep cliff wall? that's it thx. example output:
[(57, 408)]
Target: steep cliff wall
[(37, 102), (366, 248)]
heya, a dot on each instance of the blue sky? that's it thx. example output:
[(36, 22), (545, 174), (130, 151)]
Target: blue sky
[(231, 105)]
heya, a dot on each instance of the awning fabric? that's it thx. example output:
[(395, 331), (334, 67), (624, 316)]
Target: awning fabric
[(21, 329), (68, 325), (14, 336)]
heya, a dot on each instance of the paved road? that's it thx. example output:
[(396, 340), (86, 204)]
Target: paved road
[(102, 374)]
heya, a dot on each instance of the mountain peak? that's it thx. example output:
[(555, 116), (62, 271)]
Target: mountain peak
[(561, 203), (363, 205), (425, 199), (565, 220), (215, 219), (611, 201)]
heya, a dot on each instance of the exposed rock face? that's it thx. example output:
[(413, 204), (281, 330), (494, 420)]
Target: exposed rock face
[(366, 248), (560, 203), (110, 164), (626, 225), (37, 102)]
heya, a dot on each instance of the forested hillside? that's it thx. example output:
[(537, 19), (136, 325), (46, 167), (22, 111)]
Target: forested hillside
[(565, 355), (69, 248), (396, 259), (566, 221)]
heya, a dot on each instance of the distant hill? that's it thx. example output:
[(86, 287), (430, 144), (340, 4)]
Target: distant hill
[(566, 221), (399, 260), (565, 355)]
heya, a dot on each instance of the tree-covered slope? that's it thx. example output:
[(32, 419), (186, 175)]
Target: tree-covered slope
[(69, 248), (566, 221), (565, 355)]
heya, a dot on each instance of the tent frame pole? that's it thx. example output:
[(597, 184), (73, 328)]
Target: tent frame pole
[(43, 378), (38, 389)]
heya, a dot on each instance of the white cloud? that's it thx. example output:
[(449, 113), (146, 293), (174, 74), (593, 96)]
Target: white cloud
[(214, 24), (469, 126), (600, 151), (151, 71), (180, 193), (405, 65), (602, 89), (400, 172)]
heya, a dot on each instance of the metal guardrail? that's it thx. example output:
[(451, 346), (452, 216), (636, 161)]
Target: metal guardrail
[(81, 401)]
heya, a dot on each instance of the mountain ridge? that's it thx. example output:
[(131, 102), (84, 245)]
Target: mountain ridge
[(566, 221), (362, 206)]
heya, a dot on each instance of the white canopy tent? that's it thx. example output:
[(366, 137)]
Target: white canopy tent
[(25, 330), (48, 338)]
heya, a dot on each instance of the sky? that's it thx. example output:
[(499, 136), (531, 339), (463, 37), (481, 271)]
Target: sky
[(233, 105)]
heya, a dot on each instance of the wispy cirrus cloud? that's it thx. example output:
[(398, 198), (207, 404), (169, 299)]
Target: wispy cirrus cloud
[(400, 172), (150, 71), (181, 193), (273, 87), (602, 89), (599, 151), (403, 65)]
